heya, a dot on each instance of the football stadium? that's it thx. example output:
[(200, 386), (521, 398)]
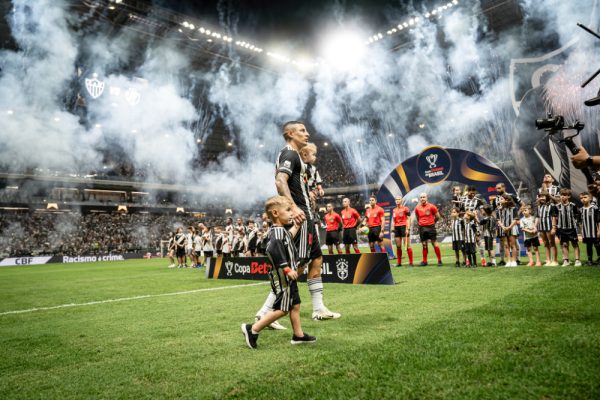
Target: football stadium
[(299, 199)]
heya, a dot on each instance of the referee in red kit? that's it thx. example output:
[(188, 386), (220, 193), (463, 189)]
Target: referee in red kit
[(427, 215), (375, 219)]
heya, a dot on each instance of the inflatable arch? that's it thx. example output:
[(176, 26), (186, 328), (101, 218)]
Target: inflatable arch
[(434, 165)]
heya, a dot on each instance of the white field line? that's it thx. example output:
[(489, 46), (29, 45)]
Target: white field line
[(146, 296)]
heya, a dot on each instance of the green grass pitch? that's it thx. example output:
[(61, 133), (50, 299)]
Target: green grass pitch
[(504, 333)]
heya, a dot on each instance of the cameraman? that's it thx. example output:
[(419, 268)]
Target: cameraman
[(582, 159)]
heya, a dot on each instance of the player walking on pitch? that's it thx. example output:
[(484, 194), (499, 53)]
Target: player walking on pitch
[(291, 182)]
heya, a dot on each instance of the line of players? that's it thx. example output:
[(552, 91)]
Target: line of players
[(197, 245), (475, 224)]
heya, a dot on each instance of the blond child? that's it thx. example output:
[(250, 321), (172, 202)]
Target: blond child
[(529, 225), (283, 275)]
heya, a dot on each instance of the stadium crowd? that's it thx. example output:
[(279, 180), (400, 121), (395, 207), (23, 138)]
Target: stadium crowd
[(551, 217)]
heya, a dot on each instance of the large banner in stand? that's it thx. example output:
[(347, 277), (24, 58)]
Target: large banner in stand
[(367, 268)]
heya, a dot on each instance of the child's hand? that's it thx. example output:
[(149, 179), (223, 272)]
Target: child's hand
[(293, 275)]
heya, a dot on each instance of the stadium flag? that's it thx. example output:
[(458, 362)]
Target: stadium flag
[(366, 268)]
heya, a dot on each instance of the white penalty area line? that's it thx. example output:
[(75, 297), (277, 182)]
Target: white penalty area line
[(146, 296)]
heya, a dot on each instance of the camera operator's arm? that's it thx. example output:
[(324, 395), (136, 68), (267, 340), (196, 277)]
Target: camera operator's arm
[(582, 159)]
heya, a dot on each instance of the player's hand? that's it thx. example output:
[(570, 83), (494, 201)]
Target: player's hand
[(313, 196), (293, 275), (298, 215), (579, 160), (380, 234), (321, 192)]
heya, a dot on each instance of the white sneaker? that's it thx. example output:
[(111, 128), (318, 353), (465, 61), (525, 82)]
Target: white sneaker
[(554, 264), (277, 326), (577, 263), (171, 266), (274, 325), (324, 314), (566, 263)]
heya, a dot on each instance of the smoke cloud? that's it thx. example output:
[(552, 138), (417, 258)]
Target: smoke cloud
[(449, 85)]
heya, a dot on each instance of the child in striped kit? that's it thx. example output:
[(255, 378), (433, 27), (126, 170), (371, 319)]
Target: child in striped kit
[(590, 220)]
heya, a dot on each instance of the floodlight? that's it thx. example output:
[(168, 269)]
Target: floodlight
[(345, 48)]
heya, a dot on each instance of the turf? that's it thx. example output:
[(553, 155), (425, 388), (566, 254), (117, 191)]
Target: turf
[(444, 332)]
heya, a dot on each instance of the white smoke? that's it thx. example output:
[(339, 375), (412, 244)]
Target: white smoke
[(35, 129), (448, 85)]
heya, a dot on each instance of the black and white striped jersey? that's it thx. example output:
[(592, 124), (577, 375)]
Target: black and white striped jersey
[(282, 254), (590, 216), (458, 229), (290, 163), (470, 231), (506, 216), (488, 226), (545, 214), (314, 178), (473, 204), (567, 217)]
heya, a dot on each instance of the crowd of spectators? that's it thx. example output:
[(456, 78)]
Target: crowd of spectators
[(31, 234)]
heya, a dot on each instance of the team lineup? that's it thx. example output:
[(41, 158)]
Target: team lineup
[(289, 233), (474, 224)]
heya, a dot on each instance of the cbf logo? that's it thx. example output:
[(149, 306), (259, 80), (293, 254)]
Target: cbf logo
[(341, 265), (229, 267), (434, 165)]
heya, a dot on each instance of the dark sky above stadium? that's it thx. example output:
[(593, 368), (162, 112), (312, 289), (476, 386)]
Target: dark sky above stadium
[(300, 23)]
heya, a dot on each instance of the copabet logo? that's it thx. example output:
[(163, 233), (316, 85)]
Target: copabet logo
[(434, 165)]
